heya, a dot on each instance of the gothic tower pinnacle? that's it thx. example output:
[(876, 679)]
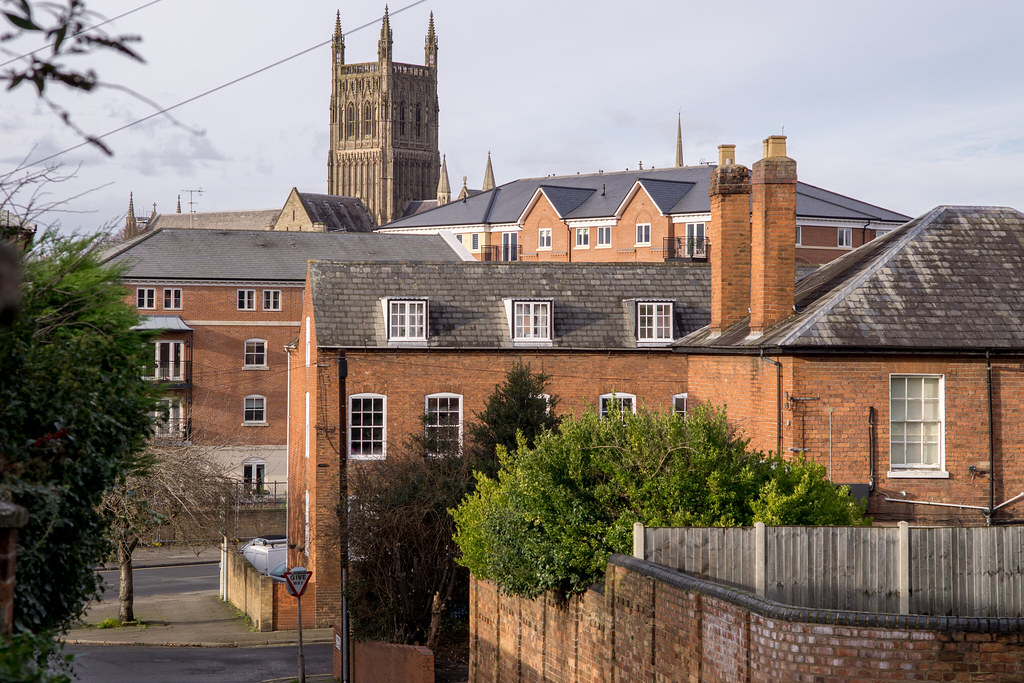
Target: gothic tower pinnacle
[(444, 190), (338, 44), (488, 175), (430, 49), (129, 222), (384, 44), (679, 141)]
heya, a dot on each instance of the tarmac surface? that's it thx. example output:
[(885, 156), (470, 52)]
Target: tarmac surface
[(197, 618)]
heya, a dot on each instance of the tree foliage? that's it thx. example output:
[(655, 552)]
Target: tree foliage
[(74, 417), (519, 405), (556, 511)]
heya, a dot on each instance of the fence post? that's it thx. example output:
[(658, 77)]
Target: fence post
[(760, 538), (638, 541), (904, 565)]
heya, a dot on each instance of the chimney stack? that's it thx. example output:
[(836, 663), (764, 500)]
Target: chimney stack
[(730, 241), (773, 237)]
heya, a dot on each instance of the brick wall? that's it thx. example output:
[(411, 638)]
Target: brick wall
[(373, 662), (249, 591), (658, 625)]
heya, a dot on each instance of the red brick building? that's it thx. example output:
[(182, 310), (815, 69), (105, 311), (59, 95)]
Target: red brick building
[(382, 345), (896, 366), (632, 216), (225, 304)]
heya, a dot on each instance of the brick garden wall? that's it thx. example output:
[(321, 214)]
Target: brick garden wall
[(653, 624)]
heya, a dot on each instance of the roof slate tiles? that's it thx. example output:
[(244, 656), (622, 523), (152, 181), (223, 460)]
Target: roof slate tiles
[(466, 300)]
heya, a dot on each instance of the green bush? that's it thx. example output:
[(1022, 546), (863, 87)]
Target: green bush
[(555, 512)]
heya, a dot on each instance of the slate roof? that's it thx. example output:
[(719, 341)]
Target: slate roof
[(260, 219), (948, 280), (338, 213), (466, 307), (265, 255), (675, 191)]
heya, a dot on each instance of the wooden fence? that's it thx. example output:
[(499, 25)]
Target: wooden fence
[(901, 570)]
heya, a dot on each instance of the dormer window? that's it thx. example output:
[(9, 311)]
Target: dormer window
[(531, 320), (407, 319), (654, 321)]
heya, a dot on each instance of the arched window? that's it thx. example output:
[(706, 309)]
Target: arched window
[(401, 118), (366, 120), (419, 122), (350, 121)]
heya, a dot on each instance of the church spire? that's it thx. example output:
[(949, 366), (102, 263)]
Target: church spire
[(130, 226), (488, 175), (384, 44), (679, 141), (179, 204), (444, 190), (338, 44), (431, 44)]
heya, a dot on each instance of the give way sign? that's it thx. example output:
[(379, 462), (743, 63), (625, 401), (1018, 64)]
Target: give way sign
[(297, 579)]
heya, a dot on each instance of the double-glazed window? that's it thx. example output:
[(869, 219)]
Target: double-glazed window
[(654, 321), (845, 237), (169, 361), (145, 297), (532, 320), (254, 475), (443, 423), (544, 238), (247, 299), (582, 237), (255, 355), (696, 244), (367, 424), (475, 242), (643, 234), (254, 410), (271, 299), (407, 319), (169, 422), (509, 246), (679, 404), (616, 402), (604, 236), (172, 298), (915, 421)]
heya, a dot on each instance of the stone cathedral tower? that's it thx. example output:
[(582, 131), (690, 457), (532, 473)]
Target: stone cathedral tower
[(384, 127)]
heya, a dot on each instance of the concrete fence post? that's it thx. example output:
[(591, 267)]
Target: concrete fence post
[(904, 567), (638, 541), (760, 568)]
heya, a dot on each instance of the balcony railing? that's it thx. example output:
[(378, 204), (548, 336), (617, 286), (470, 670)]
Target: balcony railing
[(498, 252), (179, 372), (173, 429), (261, 492), (696, 248)]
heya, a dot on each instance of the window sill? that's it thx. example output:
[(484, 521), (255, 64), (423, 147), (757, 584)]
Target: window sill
[(647, 343), (367, 457), (917, 474), (604, 246), (543, 248), (255, 424), (531, 342), (255, 367), (399, 343), (641, 244)]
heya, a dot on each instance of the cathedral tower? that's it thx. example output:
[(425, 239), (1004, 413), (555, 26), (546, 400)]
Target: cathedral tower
[(384, 127)]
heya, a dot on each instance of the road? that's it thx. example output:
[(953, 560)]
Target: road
[(175, 579), (154, 664)]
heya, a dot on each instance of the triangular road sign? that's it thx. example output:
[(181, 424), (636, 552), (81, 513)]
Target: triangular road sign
[(297, 579)]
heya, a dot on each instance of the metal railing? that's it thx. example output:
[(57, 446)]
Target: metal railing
[(499, 252), (261, 492), (696, 248)]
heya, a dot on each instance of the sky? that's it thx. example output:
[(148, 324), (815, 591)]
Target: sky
[(907, 104)]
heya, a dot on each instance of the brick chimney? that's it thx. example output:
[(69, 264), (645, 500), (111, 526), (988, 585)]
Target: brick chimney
[(773, 237), (730, 240)]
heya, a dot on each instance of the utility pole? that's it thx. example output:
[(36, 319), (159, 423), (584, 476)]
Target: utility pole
[(192, 204)]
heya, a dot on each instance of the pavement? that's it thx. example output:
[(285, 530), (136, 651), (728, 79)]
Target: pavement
[(197, 618)]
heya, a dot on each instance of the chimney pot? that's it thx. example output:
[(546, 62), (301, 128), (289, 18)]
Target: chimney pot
[(726, 154), (775, 146)]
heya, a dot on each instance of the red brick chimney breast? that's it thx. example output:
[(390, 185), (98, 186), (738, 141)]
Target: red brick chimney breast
[(730, 240), (773, 237)]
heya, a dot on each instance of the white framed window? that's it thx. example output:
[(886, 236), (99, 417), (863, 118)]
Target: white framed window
[(623, 402), (407, 319), (799, 235), (604, 236), (509, 246), (916, 422), (169, 419), (845, 237), (475, 242), (643, 234), (696, 242), (145, 297), (654, 321), (254, 410), (271, 299), (169, 361), (443, 423), (531, 320), (582, 237), (254, 476), (367, 426), (679, 404), (247, 299), (544, 238), (172, 298), (255, 354)]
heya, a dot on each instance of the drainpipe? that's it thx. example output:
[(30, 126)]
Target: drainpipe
[(343, 502), (991, 444), (871, 448), (778, 401)]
